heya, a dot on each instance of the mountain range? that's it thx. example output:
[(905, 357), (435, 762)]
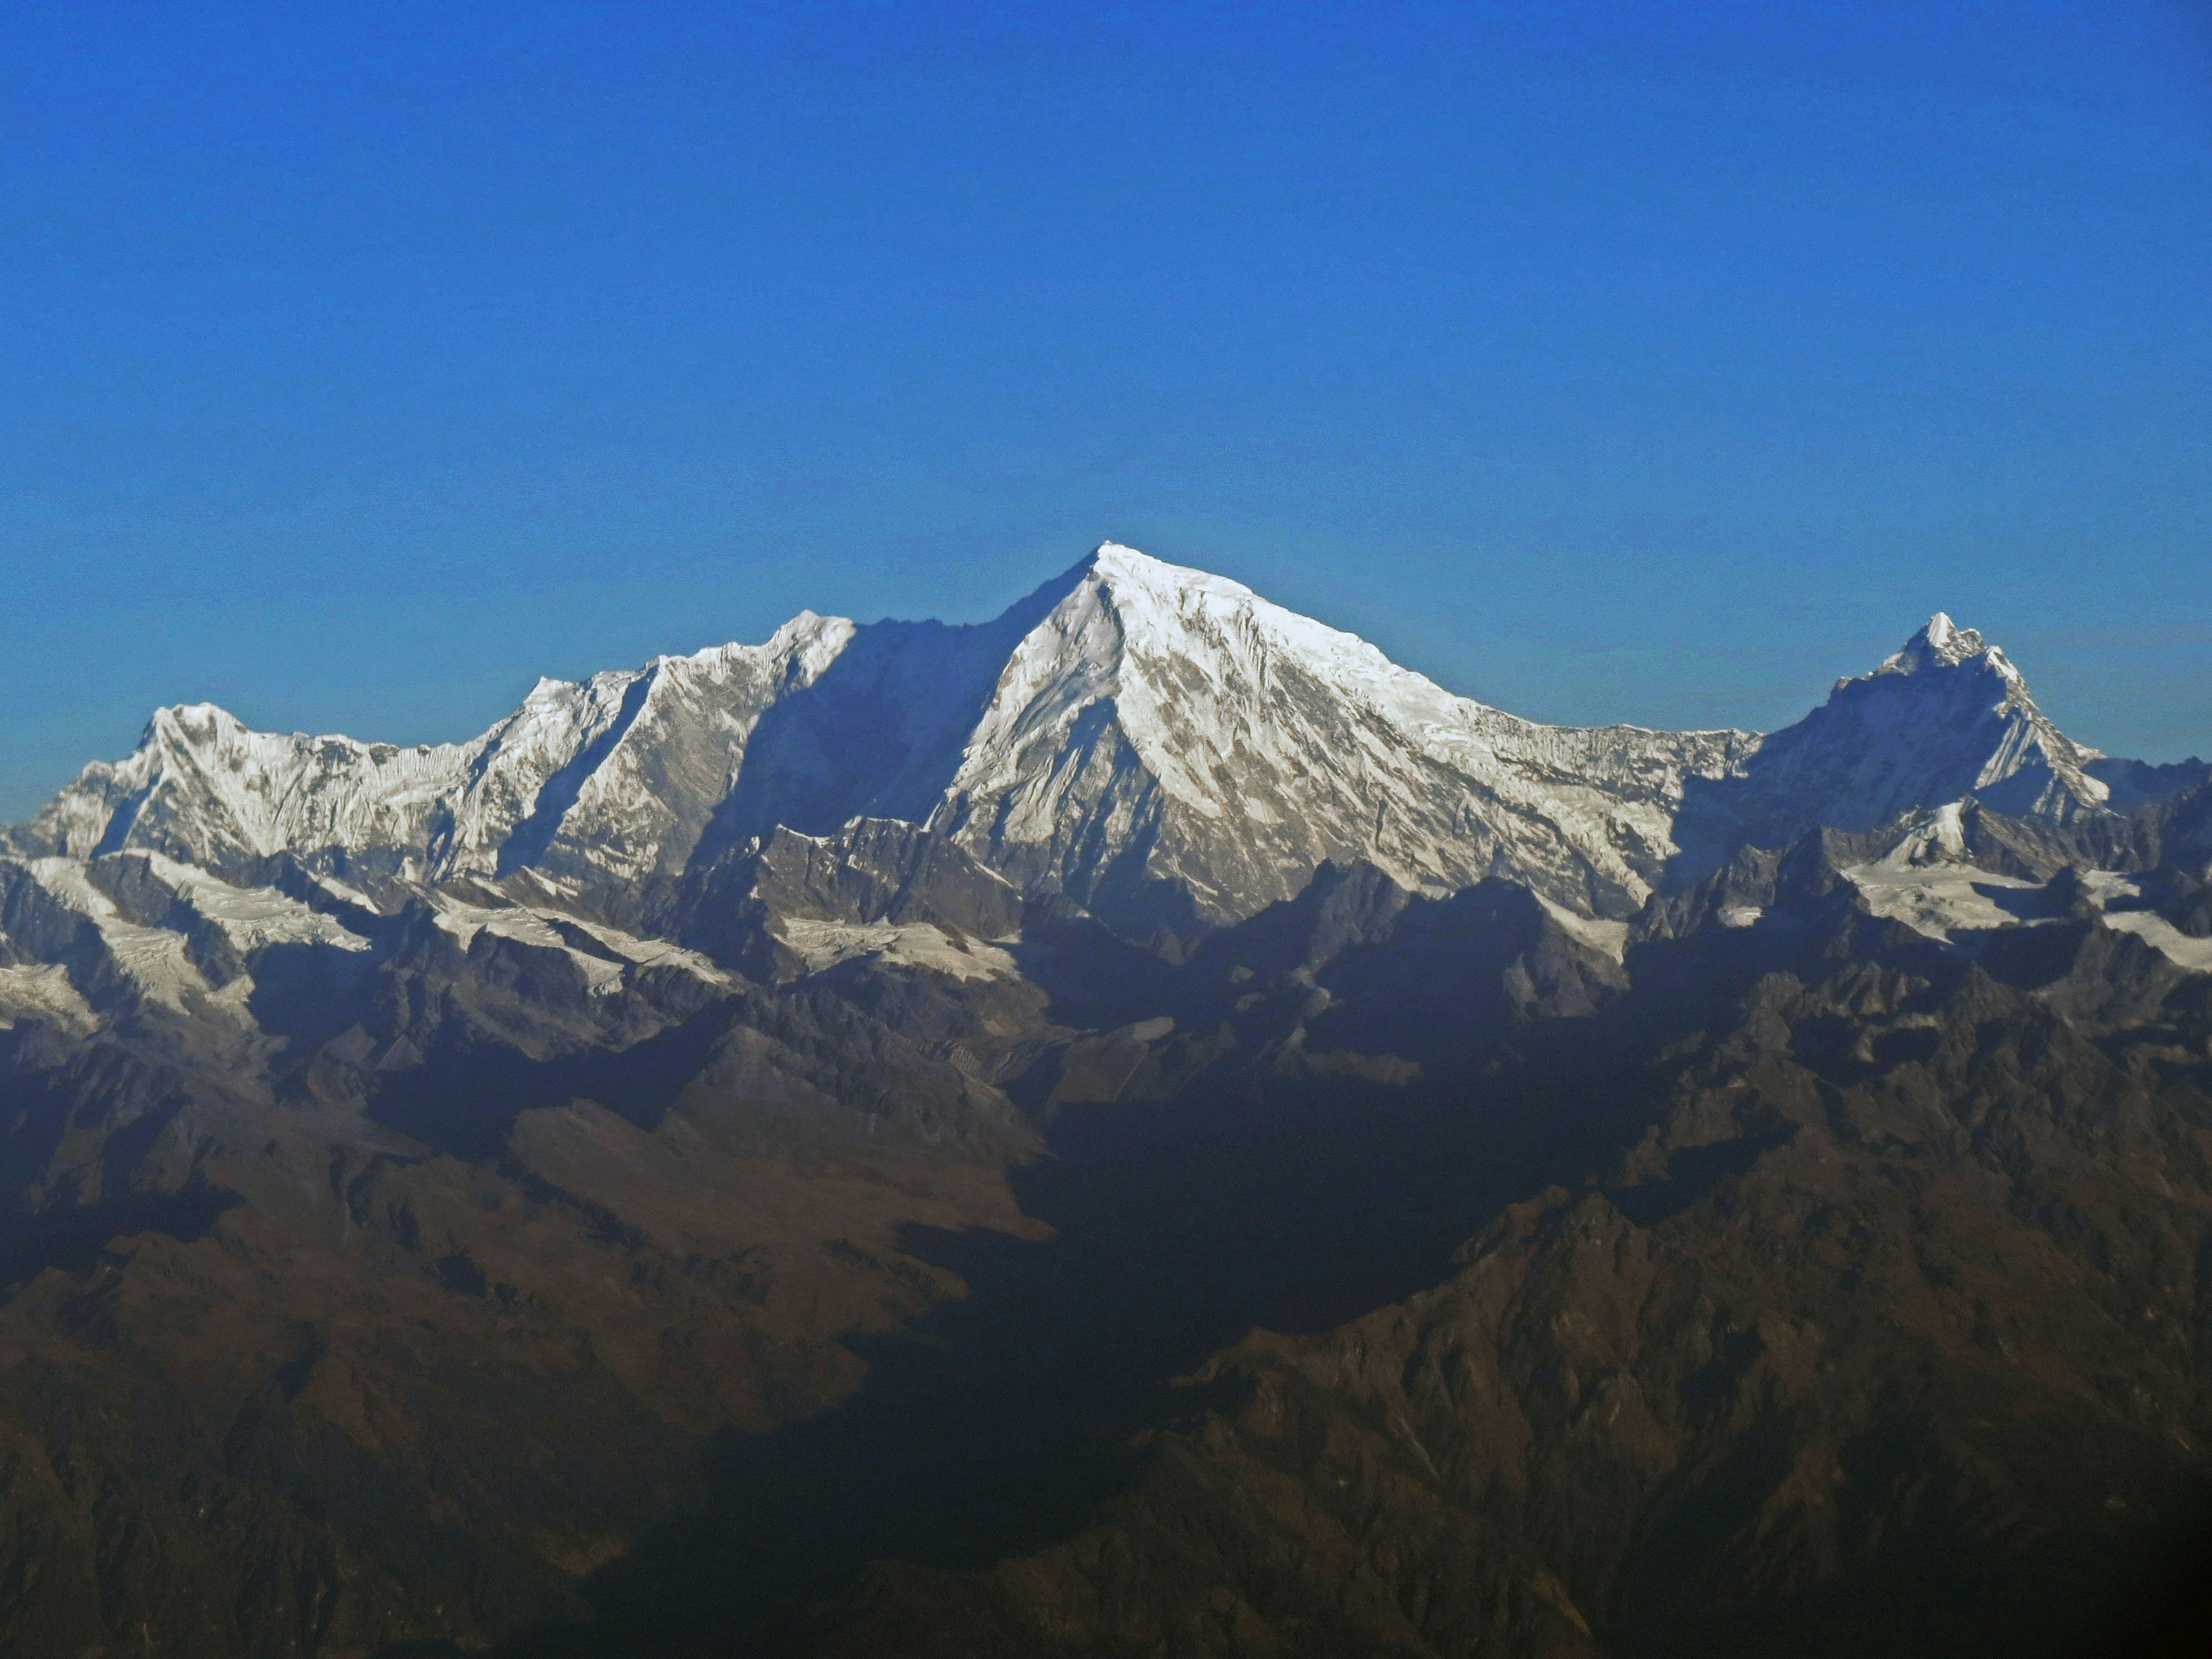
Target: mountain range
[(1137, 1127)]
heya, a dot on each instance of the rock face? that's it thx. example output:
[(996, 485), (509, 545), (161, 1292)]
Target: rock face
[(1139, 1125), (610, 781)]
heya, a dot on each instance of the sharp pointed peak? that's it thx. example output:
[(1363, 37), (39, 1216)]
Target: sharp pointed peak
[(1120, 556), (193, 722), (1123, 569), (1112, 559), (1941, 643), (1945, 637)]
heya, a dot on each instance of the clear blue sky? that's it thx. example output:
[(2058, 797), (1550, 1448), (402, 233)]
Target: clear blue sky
[(359, 363)]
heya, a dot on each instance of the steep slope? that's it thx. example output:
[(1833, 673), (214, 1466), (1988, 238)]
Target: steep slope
[(1159, 746), (202, 789), (606, 782), (1149, 741), (1169, 749), (1945, 720), (1156, 745)]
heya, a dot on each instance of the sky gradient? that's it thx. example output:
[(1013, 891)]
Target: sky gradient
[(360, 364)]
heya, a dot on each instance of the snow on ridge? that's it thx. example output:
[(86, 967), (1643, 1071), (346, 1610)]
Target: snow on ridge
[(1945, 717), (28, 992), (1608, 938), (204, 788), (251, 917), (521, 925), (1134, 720), (1942, 642), (673, 750), (821, 945), (2182, 950), (1247, 743), (605, 970), (1204, 677)]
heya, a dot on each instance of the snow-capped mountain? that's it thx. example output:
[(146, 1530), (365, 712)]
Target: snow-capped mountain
[(1161, 747), (1167, 742), (610, 773), (1153, 742), (1946, 720), (568, 1098)]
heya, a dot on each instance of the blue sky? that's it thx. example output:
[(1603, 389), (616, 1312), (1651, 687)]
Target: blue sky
[(359, 364)]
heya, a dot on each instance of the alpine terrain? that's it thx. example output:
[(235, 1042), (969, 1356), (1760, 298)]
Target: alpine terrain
[(1139, 1127)]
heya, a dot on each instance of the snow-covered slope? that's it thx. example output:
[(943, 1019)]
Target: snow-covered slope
[(1946, 719), (202, 789), (1165, 743), (1161, 746), (1151, 740), (632, 798), (610, 780)]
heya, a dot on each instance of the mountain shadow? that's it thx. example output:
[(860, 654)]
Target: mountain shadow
[(528, 843), (465, 1099), (880, 734)]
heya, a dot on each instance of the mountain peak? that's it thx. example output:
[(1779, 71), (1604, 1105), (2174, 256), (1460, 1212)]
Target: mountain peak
[(1129, 575), (1118, 559), (1146, 739), (1945, 717), (195, 722), (1941, 643)]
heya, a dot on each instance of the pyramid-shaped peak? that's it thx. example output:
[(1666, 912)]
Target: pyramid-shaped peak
[(1127, 573), (1941, 643), (1117, 559), (193, 726)]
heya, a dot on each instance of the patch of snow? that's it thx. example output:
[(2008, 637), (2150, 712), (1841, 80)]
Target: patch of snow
[(657, 953), (1740, 915), (823, 944), (1941, 837), (2181, 949), (526, 925), (45, 994), (523, 926), (1938, 900), (2101, 887), (339, 890), (152, 958), (251, 917), (1608, 938)]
